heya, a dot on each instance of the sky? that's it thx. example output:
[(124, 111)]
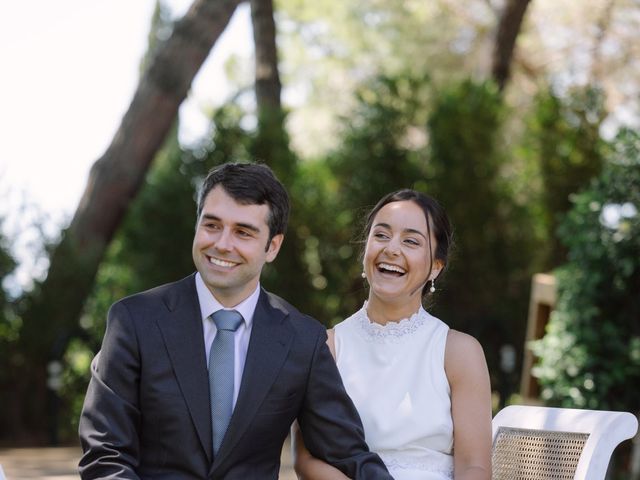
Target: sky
[(69, 71)]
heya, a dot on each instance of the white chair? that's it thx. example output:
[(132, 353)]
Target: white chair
[(536, 443)]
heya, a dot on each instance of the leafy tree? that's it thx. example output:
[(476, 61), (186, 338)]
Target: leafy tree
[(382, 149), (9, 327), (507, 32), (590, 354), (332, 49), (485, 291), (7, 265), (563, 137)]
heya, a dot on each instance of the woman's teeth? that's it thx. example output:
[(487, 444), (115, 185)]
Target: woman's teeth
[(386, 267)]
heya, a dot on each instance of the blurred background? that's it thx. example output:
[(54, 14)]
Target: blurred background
[(522, 117)]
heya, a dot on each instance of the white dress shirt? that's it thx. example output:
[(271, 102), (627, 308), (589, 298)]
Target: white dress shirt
[(246, 308)]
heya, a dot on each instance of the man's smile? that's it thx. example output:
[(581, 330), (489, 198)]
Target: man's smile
[(218, 262)]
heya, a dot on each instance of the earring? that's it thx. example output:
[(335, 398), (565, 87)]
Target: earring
[(433, 286), (363, 275)]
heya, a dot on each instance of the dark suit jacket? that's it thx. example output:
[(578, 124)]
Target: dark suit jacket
[(146, 413)]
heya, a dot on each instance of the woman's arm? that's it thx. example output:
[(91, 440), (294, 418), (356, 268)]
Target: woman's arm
[(466, 369), (308, 467)]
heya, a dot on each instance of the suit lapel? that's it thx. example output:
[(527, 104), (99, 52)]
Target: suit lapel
[(269, 345), (183, 336)]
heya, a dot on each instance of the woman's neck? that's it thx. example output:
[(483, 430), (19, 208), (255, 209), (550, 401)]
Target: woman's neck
[(383, 312)]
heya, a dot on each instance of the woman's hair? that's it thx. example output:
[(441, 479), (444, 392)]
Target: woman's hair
[(437, 223)]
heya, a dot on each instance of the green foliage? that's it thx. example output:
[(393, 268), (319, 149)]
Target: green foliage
[(383, 146), (332, 48), (590, 355), (485, 290), (10, 324), (7, 265), (382, 150), (270, 144), (319, 223), (8, 320), (563, 135)]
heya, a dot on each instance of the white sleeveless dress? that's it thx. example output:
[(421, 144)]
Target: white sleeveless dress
[(395, 376)]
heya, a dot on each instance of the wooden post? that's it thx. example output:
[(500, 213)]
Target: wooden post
[(541, 303)]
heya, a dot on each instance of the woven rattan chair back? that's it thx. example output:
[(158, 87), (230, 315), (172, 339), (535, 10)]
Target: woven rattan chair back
[(540, 443), (525, 454)]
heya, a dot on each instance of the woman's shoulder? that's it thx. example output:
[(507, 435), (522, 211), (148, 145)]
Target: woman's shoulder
[(331, 341), (463, 355), (462, 347), (342, 329), (434, 321), (349, 322), (458, 341)]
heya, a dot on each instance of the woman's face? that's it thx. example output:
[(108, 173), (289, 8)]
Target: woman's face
[(397, 258)]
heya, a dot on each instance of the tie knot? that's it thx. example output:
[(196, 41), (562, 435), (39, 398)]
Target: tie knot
[(227, 320)]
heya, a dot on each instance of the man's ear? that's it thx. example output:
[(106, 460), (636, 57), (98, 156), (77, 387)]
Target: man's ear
[(274, 247)]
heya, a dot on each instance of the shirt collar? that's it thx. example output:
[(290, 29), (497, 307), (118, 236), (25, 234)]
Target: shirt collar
[(209, 304)]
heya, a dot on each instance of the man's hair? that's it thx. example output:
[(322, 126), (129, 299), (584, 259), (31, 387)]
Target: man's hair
[(251, 184)]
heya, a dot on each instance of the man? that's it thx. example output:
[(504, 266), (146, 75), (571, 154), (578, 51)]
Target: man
[(201, 378)]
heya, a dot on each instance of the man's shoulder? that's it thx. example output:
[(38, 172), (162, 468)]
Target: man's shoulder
[(298, 319), (160, 293)]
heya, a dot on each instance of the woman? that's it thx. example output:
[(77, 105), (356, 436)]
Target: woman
[(422, 389)]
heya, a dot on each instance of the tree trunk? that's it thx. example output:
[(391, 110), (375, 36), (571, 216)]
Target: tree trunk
[(272, 143), (51, 316), (598, 71), (509, 27), (268, 85)]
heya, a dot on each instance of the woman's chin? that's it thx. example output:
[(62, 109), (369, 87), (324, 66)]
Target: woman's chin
[(391, 296)]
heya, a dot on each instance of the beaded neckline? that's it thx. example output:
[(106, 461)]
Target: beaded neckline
[(391, 331)]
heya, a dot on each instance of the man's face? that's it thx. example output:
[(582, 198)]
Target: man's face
[(231, 245)]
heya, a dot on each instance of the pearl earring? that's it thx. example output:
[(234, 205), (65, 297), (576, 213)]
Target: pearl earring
[(363, 275), (433, 286)]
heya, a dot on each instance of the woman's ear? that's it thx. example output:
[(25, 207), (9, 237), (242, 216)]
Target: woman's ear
[(437, 267)]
